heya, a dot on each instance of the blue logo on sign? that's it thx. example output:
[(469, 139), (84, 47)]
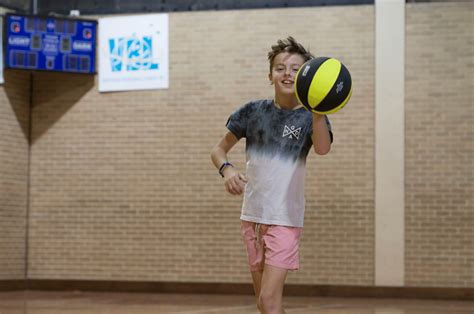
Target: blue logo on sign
[(131, 54)]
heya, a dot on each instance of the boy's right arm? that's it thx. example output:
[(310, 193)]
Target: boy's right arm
[(234, 180)]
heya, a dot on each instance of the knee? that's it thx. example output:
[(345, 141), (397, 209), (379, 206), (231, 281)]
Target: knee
[(267, 303)]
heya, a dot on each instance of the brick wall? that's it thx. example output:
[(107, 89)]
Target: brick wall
[(14, 130), (439, 145), (122, 186)]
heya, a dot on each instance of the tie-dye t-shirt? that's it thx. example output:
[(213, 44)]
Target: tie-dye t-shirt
[(277, 143)]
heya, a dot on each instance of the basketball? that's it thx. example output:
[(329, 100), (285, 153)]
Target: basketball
[(323, 85)]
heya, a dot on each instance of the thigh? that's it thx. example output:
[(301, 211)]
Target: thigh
[(282, 246), (255, 251)]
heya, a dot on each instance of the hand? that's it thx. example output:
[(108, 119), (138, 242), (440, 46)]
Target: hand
[(234, 181)]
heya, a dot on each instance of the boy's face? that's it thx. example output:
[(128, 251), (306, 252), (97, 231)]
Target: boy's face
[(283, 73)]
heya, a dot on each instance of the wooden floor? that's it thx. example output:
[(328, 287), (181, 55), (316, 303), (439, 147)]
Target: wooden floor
[(36, 302)]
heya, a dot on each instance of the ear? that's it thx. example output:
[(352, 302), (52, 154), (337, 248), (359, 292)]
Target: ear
[(270, 78)]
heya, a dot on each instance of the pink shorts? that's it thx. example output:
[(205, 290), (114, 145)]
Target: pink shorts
[(272, 245)]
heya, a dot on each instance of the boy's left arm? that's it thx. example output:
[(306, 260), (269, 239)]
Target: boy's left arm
[(321, 137)]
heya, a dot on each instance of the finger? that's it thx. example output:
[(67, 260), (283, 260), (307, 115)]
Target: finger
[(241, 185), (243, 177), (228, 187), (233, 187), (236, 187)]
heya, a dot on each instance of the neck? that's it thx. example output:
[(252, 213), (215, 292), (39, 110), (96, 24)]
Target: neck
[(288, 103)]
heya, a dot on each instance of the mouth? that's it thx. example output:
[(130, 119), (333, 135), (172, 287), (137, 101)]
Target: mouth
[(287, 82)]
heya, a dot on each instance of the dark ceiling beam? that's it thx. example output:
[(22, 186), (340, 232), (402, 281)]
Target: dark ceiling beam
[(100, 7), (21, 6), (96, 7)]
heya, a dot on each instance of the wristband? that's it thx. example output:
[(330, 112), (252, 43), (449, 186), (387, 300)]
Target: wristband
[(223, 166)]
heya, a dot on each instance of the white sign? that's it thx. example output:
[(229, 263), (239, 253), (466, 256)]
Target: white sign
[(133, 52)]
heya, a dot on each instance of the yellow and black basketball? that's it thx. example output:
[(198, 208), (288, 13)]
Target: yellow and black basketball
[(323, 85)]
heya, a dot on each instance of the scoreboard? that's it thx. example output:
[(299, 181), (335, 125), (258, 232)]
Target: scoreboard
[(50, 43)]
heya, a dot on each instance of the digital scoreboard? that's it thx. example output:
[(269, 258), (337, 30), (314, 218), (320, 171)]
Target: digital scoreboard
[(50, 43)]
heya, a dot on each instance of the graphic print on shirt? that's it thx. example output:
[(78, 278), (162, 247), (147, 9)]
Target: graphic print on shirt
[(290, 132)]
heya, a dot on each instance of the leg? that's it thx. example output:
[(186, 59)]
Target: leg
[(271, 290), (257, 283)]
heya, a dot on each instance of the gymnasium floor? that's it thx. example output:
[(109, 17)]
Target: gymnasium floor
[(35, 302)]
